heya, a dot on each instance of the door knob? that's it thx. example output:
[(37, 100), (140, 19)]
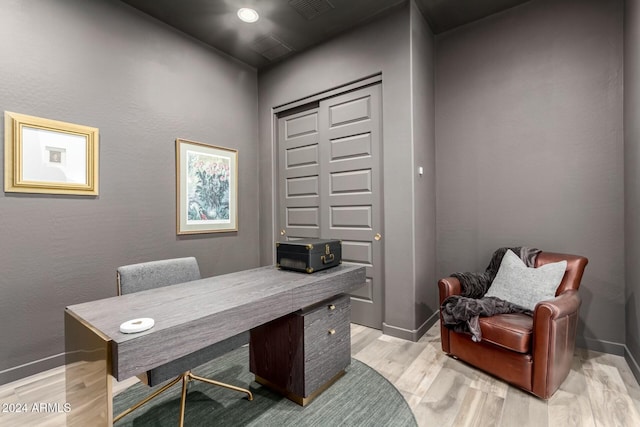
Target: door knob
[(283, 232), (378, 236)]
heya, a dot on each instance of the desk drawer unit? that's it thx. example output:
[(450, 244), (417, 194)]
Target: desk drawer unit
[(302, 354)]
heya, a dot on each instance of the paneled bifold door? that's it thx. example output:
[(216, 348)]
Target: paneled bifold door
[(330, 185)]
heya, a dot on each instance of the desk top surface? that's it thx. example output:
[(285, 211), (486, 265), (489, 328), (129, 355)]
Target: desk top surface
[(193, 314)]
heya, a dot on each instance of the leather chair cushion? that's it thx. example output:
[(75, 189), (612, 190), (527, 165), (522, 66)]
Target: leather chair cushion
[(511, 331)]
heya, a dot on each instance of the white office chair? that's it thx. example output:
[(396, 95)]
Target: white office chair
[(156, 274)]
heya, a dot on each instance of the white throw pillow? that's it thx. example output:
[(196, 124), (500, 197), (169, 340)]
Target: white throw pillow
[(525, 286)]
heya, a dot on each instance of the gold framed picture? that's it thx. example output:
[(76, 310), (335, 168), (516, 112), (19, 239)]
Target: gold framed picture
[(207, 188), (49, 157)]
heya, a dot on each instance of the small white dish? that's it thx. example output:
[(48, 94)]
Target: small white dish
[(137, 325)]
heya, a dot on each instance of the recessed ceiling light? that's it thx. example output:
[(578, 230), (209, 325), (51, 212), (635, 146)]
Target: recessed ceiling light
[(248, 15)]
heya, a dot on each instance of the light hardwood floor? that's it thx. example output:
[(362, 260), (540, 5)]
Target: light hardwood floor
[(600, 390)]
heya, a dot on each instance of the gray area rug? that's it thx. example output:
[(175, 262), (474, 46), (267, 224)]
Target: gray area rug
[(362, 397)]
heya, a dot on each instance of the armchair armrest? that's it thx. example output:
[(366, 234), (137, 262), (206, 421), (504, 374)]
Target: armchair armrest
[(563, 305), (554, 331), (449, 286)]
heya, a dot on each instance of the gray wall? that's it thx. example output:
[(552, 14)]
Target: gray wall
[(381, 46), (632, 179), (424, 189), (530, 146), (103, 64), (515, 94)]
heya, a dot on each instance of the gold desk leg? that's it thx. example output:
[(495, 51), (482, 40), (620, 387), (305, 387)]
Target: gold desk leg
[(88, 380)]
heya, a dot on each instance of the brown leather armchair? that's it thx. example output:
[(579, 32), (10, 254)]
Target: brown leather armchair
[(533, 353)]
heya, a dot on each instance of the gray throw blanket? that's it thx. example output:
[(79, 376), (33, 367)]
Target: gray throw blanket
[(461, 312)]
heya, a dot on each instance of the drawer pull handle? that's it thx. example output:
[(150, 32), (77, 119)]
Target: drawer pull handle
[(332, 331), (331, 307)]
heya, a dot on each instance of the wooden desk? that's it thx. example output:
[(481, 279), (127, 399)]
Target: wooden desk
[(188, 317)]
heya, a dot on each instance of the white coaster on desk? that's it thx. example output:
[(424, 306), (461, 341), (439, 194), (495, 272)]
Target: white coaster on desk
[(137, 325)]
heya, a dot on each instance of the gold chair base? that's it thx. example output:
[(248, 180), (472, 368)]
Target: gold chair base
[(185, 378)]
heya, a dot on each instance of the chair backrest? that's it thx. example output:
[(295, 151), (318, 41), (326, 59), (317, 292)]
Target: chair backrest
[(156, 274), (573, 274)]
